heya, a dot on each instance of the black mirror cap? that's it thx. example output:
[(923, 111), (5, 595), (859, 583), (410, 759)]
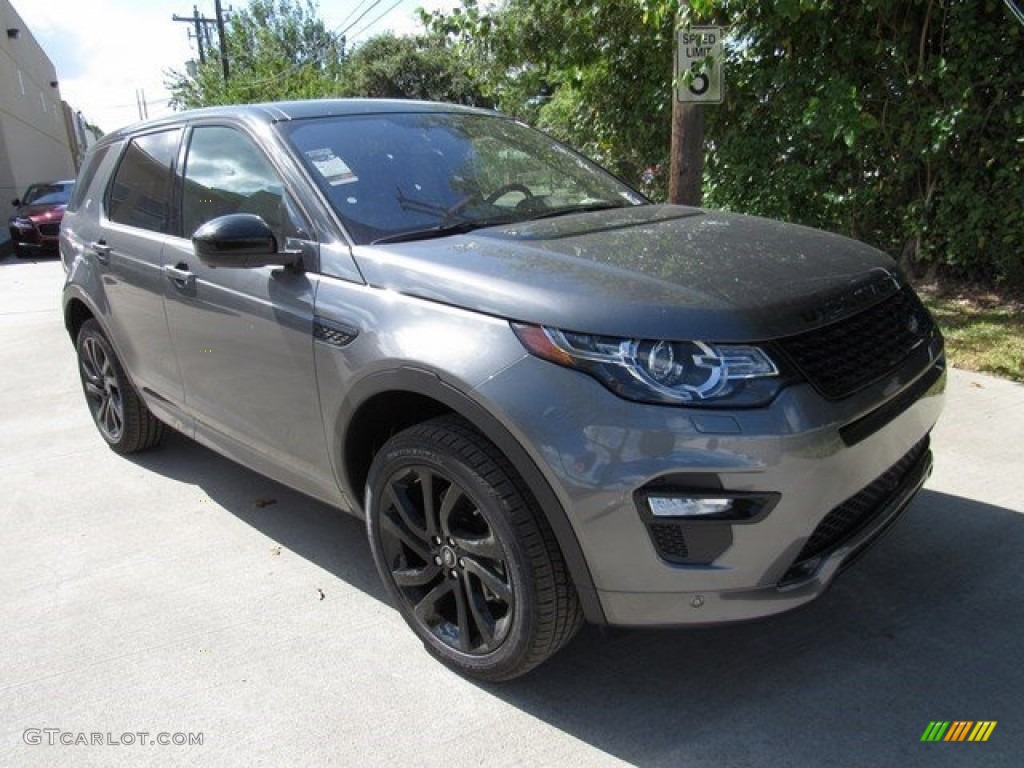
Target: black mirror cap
[(239, 240), (16, 202)]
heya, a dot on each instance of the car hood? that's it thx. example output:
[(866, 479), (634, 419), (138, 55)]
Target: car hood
[(32, 211), (652, 271)]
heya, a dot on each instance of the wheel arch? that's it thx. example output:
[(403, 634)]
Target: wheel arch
[(76, 312), (386, 402)]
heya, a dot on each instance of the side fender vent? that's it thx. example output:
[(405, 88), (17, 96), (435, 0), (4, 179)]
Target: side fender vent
[(333, 333)]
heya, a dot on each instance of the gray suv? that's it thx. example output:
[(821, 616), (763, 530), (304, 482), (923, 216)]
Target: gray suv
[(550, 400)]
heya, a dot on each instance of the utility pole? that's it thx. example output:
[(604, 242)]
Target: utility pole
[(687, 152), (687, 168), (202, 34), (223, 40), (140, 102)]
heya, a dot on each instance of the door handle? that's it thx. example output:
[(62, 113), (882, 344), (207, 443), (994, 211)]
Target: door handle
[(102, 251), (180, 275)]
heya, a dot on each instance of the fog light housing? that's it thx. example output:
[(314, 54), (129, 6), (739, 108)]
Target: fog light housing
[(688, 507), (694, 527)]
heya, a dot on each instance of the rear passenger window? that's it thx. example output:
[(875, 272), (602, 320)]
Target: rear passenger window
[(85, 177), (225, 172), (140, 195)]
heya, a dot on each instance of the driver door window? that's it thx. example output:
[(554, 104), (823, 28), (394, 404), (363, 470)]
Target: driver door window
[(226, 173)]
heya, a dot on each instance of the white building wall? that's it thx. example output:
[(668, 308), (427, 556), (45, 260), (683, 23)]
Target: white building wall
[(34, 143)]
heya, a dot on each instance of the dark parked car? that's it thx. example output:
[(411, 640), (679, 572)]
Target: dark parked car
[(550, 399), (35, 226)]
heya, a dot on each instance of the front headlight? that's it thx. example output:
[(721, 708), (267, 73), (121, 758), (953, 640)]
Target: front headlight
[(656, 371)]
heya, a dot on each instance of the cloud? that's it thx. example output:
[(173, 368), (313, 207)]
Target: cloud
[(106, 51)]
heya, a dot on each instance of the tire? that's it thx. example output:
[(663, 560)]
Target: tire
[(120, 415), (465, 553)]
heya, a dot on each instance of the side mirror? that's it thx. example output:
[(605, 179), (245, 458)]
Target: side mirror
[(16, 202), (240, 240)]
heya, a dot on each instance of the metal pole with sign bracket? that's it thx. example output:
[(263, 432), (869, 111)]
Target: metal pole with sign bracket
[(699, 81)]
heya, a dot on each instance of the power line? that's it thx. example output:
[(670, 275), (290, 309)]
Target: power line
[(385, 13), (358, 18), (318, 57), (351, 13)]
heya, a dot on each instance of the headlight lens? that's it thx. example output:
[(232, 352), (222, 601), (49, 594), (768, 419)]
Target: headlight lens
[(658, 371)]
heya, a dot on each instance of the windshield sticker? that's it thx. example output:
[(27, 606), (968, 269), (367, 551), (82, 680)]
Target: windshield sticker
[(331, 167)]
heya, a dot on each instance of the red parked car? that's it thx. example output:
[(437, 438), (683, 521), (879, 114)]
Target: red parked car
[(36, 225)]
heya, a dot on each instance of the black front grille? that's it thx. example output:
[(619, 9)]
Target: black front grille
[(844, 357), (858, 512), (49, 230)]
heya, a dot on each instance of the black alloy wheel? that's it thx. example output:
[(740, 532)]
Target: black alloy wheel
[(117, 410), (473, 567)]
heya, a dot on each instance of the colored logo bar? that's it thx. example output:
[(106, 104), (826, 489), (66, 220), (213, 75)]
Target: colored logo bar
[(958, 730)]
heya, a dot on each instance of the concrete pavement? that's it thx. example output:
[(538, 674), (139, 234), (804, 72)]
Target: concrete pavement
[(177, 593)]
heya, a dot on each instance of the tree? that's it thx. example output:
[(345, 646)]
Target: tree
[(421, 67), (895, 121), (595, 74), (278, 49)]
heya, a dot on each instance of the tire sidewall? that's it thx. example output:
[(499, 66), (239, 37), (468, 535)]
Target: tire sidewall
[(400, 454), (91, 329)]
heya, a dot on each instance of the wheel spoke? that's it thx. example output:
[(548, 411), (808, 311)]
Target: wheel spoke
[(116, 422), (92, 390), (495, 583), (417, 577), (396, 529), (426, 609), (99, 360), (89, 364), (486, 547), (452, 496), (426, 478), (109, 417), (462, 613), (485, 623), (403, 503), (101, 411)]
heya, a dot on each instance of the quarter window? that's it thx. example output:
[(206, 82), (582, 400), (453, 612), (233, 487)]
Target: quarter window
[(92, 164), (140, 195)]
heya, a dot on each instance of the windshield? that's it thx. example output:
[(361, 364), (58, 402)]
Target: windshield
[(402, 176), (47, 194)]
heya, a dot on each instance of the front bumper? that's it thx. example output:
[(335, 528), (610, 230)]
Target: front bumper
[(803, 581), (28, 236), (856, 463)]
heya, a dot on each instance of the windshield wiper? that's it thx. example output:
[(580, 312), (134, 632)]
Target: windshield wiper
[(598, 205), (429, 233), (468, 225)]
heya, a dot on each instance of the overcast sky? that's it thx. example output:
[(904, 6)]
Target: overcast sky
[(107, 50)]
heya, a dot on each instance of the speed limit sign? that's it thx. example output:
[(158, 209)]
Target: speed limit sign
[(699, 65)]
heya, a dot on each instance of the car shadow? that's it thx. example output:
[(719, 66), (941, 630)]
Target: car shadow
[(8, 258), (322, 534), (928, 626)]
